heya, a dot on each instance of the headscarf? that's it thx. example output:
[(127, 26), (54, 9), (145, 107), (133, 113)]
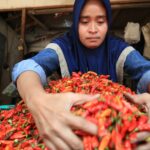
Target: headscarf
[(102, 59)]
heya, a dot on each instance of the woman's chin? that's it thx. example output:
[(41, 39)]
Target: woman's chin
[(92, 46)]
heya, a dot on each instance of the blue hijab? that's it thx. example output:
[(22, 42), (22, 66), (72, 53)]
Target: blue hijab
[(101, 60)]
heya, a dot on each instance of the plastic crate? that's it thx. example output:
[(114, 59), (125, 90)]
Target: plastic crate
[(6, 107)]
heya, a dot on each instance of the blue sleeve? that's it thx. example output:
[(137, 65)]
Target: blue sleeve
[(48, 60), (28, 65), (44, 63), (139, 69), (143, 83)]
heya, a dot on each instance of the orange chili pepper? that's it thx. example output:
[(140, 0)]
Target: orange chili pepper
[(104, 142)]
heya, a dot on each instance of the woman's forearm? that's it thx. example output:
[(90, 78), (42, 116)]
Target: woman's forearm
[(29, 85)]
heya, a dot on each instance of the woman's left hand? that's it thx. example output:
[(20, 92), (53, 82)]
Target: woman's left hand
[(142, 99)]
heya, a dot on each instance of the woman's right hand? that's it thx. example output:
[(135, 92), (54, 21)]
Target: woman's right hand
[(55, 122)]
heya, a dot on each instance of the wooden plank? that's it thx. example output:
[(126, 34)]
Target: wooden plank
[(19, 4), (49, 11), (128, 1), (23, 23), (8, 5), (21, 45), (66, 10)]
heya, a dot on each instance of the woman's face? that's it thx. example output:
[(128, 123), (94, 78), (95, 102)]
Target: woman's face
[(93, 24)]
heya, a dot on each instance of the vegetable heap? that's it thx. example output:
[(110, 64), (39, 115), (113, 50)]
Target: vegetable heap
[(117, 119)]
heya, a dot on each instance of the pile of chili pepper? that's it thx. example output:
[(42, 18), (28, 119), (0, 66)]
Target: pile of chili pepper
[(18, 130), (118, 120)]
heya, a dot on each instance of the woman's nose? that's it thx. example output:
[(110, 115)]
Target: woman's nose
[(93, 28)]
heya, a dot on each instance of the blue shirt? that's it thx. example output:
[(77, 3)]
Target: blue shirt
[(135, 65)]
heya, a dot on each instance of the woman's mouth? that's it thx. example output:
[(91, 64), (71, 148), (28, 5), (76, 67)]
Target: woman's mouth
[(93, 38)]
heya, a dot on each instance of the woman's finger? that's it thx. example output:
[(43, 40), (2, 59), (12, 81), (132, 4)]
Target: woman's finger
[(59, 143), (141, 99), (143, 147), (67, 100), (141, 137), (137, 99), (62, 134), (49, 144), (70, 138), (78, 99), (77, 122), (49, 134)]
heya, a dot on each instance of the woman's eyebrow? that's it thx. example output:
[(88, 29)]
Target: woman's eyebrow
[(84, 17), (99, 16)]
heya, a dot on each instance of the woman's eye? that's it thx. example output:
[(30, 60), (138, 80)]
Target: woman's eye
[(84, 22), (100, 22)]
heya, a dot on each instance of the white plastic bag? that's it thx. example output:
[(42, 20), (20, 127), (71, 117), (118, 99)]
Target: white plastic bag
[(132, 33), (146, 34)]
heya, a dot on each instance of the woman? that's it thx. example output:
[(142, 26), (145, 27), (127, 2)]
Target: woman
[(87, 46)]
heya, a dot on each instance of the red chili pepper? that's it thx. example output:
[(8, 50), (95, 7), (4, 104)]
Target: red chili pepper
[(95, 108), (93, 120), (144, 127), (105, 113), (8, 147), (102, 131), (90, 104), (18, 135), (80, 133), (7, 142), (95, 142), (28, 143), (74, 74), (118, 142), (128, 105), (123, 131), (127, 145), (132, 136), (113, 137), (111, 104), (87, 143), (142, 120), (67, 89), (133, 124), (10, 114)]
